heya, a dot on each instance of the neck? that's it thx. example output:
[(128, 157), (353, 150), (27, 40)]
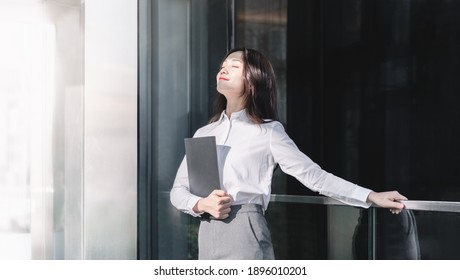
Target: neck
[(233, 107)]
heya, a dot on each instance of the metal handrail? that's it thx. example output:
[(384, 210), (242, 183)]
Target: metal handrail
[(419, 205)]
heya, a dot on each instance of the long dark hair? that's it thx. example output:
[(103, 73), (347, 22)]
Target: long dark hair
[(259, 88)]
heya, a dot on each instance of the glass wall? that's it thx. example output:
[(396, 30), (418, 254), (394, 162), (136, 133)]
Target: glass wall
[(366, 85), (180, 44), (110, 129), (415, 234), (368, 91), (17, 121), (40, 100), (68, 139)]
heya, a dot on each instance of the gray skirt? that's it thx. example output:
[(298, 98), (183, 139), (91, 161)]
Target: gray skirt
[(244, 235)]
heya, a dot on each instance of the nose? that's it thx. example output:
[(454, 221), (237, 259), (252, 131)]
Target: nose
[(223, 70)]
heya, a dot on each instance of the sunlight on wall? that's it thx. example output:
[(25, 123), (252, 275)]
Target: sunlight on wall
[(26, 108)]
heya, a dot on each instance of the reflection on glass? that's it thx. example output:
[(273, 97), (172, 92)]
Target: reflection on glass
[(40, 58), (396, 236), (22, 72), (310, 231), (438, 235), (262, 25)]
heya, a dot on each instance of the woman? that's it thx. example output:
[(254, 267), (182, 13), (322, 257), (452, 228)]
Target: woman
[(233, 224)]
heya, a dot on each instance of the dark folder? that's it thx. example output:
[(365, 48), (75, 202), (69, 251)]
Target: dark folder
[(202, 165)]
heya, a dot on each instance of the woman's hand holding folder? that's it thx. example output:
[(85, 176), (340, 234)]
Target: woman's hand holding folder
[(217, 204)]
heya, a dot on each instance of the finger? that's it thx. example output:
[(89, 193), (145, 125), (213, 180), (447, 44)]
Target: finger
[(223, 217), (225, 210), (389, 202), (397, 196), (225, 200), (223, 214), (219, 192), (223, 206), (219, 200), (397, 205)]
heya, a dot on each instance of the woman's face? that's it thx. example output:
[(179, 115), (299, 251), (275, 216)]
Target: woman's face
[(230, 77)]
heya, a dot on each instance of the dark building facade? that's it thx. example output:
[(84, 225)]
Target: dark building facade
[(367, 89)]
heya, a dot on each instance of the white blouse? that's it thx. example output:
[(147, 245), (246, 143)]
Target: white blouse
[(248, 154)]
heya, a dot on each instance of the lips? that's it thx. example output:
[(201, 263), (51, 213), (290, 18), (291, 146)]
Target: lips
[(223, 79)]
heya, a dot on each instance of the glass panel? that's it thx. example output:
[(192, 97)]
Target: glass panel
[(395, 237), (360, 84), (379, 79), (370, 90), (172, 119), (41, 121), (20, 88), (262, 25), (110, 150), (342, 232), (177, 88), (364, 85), (67, 132), (422, 235), (323, 232), (42, 129)]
